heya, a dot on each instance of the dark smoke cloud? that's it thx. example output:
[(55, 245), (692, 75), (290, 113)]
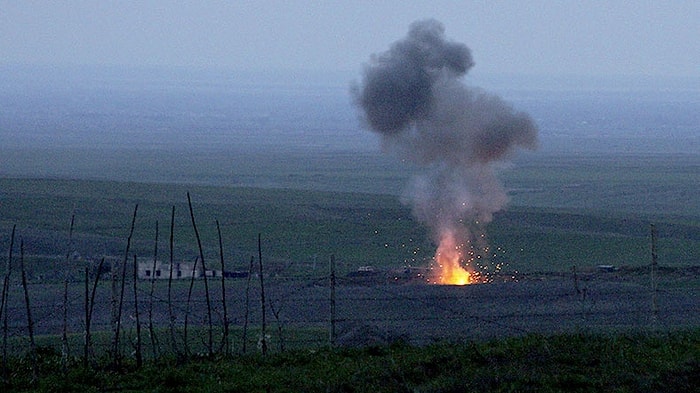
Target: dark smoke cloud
[(398, 85), (413, 96)]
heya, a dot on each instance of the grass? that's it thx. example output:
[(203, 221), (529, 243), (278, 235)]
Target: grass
[(542, 231), (643, 185), (304, 227), (293, 338), (651, 362)]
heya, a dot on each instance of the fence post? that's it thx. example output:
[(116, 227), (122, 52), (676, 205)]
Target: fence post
[(226, 340), (3, 307), (263, 339), (151, 329), (89, 306), (654, 304), (66, 273), (205, 279), (138, 349), (30, 322), (171, 315), (86, 304), (117, 318), (332, 301), (247, 306)]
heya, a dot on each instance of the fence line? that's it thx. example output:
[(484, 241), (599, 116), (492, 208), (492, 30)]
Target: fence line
[(315, 310), (370, 314)]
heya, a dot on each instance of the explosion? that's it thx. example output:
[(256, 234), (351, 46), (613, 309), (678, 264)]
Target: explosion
[(413, 96), (450, 266)]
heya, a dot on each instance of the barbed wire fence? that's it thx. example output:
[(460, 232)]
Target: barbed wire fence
[(300, 315), (188, 319)]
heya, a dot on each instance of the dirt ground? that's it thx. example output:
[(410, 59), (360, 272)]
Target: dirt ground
[(594, 302), (376, 313)]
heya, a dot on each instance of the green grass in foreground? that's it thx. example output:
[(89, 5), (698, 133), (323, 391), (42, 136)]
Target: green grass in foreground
[(668, 362)]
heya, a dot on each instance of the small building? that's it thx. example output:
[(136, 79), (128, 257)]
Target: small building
[(363, 271), (606, 268), (147, 270), (180, 270)]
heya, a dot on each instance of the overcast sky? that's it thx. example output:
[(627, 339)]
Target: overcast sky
[(515, 37)]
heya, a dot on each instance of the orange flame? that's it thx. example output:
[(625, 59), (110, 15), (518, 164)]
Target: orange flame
[(448, 268)]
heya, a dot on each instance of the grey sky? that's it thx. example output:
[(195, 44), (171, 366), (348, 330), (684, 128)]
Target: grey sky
[(524, 37)]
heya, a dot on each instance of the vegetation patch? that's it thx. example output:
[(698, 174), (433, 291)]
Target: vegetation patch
[(302, 228), (579, 362)]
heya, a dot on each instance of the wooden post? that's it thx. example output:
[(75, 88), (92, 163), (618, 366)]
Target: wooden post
[(66, 273), (3, 306), (114, 304), (89, 306), (138, 351), (263, 339), (210, 341), (332, 302), (226, 341), (280, 328), (30, 323), (171, 315), (187, 309), (117, 323), (654, 266), (86, 304), (247, 306), (151, 329)]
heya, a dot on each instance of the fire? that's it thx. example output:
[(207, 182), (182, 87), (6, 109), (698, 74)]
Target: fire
[(448, 268)]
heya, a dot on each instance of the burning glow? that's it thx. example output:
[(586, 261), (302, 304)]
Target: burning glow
[(451, 268)]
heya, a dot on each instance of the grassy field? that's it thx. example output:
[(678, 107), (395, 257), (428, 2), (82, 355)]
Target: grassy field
[(564, 212), (647, 185), (297, 227), (650, 186)]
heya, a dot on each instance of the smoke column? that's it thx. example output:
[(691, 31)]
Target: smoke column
[(413, 96)]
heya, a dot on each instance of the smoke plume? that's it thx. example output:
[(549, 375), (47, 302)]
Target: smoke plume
[(413, 96)]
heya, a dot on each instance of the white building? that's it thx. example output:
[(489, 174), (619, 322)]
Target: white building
[(180, 270)]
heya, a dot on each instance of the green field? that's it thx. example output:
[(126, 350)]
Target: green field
[(564, 212)]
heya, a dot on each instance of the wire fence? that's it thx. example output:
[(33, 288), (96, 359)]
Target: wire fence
[(312, 312), (113, 313)]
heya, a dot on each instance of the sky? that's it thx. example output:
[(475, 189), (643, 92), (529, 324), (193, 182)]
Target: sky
[(536, 37)]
